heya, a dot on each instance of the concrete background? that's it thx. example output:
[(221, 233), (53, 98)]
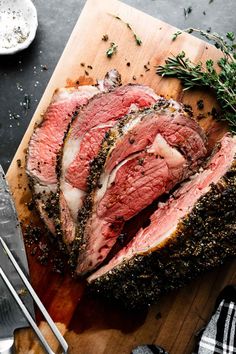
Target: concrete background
[(22, 74)]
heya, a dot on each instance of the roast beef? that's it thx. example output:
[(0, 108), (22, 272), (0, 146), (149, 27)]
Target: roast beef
[(83, 143), (144, 156), (47, 140), (193, 231)]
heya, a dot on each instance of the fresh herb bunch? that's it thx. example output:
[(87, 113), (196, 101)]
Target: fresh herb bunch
[(194, 75)]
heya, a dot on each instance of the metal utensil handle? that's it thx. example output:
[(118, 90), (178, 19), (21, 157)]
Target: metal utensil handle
[(7, 346), (26, 313), (43, 310)]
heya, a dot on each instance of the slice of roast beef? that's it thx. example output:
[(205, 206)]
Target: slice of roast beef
[(47, 140), (142, 157), (193, 231), (83, 142)]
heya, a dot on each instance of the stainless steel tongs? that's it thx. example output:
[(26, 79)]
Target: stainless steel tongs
[(24, 309)]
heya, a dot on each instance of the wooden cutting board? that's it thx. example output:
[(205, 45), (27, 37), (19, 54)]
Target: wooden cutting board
[(93, 327)]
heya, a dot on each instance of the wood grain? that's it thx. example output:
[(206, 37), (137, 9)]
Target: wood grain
[(95, 328)]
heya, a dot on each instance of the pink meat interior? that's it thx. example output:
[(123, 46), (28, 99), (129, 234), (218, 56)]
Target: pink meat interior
[(140, 168), (47, 140), (97, 118), (166, 218)]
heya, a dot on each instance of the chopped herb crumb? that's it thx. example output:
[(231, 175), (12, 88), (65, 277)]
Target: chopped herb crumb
[(86, 72), (187, 11), (111, 50), (175, 35), (137, 39), (82, 64)]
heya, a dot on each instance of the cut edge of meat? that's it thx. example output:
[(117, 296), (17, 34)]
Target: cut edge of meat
[(128, 122), (74, 147), (217, 200), (50, 133)]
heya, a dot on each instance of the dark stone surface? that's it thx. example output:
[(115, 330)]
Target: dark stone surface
[(23, 74)]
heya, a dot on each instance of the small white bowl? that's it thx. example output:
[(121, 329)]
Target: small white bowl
[(14, 38)]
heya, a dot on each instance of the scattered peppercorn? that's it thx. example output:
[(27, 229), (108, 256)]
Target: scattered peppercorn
[(131, 140), (200, 104), (146, 67), (141, 161), (128, 64), (188, 109), (105, 38)]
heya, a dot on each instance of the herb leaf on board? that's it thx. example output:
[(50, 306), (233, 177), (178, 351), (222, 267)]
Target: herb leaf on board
[(136, 37), (111, 50)]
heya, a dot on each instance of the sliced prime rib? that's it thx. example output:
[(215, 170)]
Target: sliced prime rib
[(193, 231), (83, 142), (47, 140), (142, 157)]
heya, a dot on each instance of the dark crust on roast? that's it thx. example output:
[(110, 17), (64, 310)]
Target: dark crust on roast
[(84, 213), (204, 239), (96, 168)]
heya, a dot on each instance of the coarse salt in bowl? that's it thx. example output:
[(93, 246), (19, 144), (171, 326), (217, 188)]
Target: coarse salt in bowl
[(18, 25)]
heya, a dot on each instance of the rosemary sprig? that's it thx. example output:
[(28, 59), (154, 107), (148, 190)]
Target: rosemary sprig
[(198, 75)]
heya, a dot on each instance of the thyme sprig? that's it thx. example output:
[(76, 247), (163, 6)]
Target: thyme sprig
[(136, 37), (223, 83)]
